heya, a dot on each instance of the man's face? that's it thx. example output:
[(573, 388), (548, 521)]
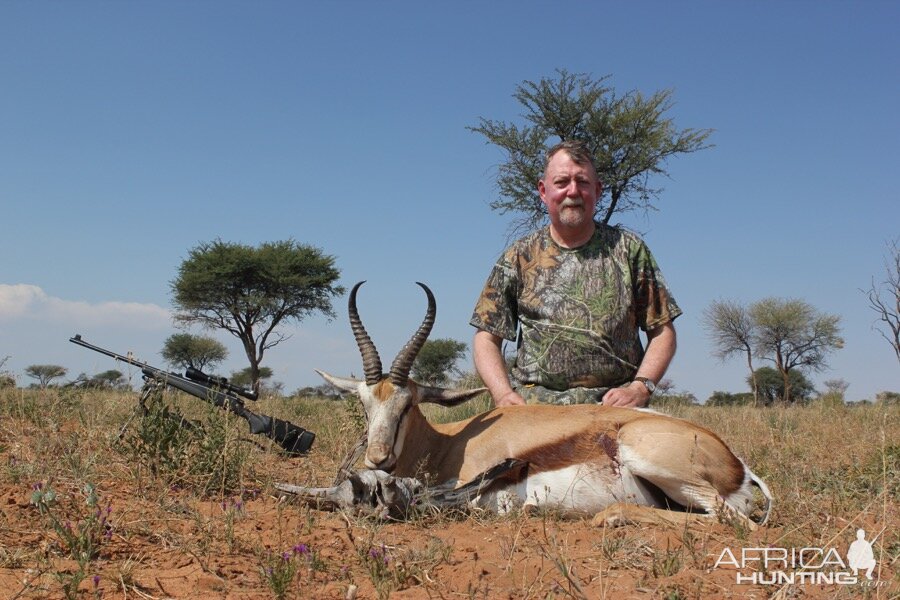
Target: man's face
[(570, 192)]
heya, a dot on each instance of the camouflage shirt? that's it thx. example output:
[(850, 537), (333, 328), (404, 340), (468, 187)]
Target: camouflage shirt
[(578, 309)]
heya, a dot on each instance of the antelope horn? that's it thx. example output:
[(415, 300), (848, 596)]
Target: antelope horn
[(404, 361), (371, 360)]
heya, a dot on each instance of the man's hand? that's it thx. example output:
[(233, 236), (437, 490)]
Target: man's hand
[(510, 398), (490, 365), (634, 395)]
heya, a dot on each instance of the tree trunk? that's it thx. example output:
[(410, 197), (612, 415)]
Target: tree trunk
[(753, 378), (785, 376)]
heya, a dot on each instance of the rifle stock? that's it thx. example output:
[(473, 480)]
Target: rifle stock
[(293, 439)]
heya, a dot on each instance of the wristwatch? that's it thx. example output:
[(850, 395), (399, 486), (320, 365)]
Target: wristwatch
[(648, 383)]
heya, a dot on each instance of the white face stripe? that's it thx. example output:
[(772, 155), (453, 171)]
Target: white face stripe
[(387, 423)]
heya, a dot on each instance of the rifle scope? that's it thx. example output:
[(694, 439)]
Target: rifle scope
[(219, 382)]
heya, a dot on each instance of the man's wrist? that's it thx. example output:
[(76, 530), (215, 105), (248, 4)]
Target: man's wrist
[(647, 384), (505, 394)]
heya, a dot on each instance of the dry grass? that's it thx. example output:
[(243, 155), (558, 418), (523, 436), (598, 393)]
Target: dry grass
[(182, 532)]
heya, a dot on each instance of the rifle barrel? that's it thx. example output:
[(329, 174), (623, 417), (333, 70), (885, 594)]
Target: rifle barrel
[(77, 340)]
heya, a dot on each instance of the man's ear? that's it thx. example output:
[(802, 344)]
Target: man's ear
[(541, 190)]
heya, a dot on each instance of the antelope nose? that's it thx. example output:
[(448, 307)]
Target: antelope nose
[(378, 456)]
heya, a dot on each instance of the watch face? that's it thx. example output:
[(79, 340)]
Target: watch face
[(651, 387)]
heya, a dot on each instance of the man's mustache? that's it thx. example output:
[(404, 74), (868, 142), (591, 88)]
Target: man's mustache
[(571, 203)]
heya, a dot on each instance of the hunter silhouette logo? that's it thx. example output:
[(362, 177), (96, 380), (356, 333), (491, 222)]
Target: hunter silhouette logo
[(810, 565), (860, 556)]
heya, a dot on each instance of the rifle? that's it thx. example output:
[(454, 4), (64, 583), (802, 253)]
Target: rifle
[(218, 391)]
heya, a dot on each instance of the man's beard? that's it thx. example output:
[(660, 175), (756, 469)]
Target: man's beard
[(572, 212)]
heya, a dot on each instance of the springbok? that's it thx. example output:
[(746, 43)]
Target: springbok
[(627, 463)]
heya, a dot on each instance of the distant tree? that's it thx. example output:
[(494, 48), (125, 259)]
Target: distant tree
[(719, 398), (731, 329), (6, 378), (793, 335), (664, 387), (45, 373), (888, 398), (111, 379), (629, 134), (251, 292), (185, 350), (325, 390), (834, 394), (436, 361), (666, 395), (884, 298), (244, 377), (836, 386), (772, 388)]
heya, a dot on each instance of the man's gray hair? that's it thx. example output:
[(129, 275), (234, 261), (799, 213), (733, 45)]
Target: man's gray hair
[(576, 149)]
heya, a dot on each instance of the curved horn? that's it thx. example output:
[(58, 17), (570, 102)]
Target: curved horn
[(371, 360), (404, 361)]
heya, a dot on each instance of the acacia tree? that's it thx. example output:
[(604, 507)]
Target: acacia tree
[(436, 361), (730, 327), (186, 350), (251, 291), (111, 379), (45, 373), (771, 385), (793, 335), (244, 377), (629, 135), (884, 298)]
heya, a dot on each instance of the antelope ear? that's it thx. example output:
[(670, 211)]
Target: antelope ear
[(343, 383), (444, 397)]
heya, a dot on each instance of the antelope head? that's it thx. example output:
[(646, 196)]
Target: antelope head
[(390, 398)]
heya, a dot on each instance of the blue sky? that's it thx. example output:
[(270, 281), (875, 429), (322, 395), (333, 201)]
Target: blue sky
[(130, 132)]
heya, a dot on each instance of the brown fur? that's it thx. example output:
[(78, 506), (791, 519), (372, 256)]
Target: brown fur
[(553, 437), (709, 458)]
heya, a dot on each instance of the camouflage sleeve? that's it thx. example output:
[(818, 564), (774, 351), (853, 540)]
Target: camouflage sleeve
[(497, 308), (654, 304)]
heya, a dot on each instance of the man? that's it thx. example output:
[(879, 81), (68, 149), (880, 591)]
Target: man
[(576, 293)]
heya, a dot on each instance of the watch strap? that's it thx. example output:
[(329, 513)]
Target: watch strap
[(648, 383)]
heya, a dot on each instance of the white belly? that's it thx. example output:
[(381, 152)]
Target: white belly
[(575, 489)]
